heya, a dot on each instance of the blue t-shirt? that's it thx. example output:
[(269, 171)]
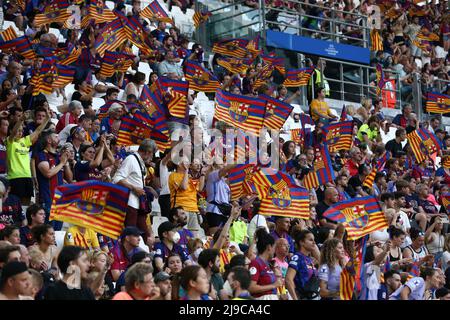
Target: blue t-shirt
[(185, 235), (161, 251), (304, 267), (47, 186)]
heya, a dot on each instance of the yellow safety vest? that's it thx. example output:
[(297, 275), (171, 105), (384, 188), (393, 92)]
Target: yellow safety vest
[(319, 82)]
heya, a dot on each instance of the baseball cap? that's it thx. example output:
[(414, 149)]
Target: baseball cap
[(161, 276), (131, 231), (164, 227)]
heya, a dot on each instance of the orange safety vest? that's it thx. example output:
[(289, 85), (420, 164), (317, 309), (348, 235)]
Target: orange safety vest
[(389, 97)]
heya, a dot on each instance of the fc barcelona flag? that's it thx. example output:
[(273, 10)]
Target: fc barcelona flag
[(22, 46), (347, 279), (279, 195), (199, 78), (246, 113), (99, 13), (234, 65), (56, 12), (151, 102), (111, 37), (438, 103), (360, 216), (376, 43), (200, 17), (277, 112), (339, 135), (343, 114), (174, 96), (253, 46), (378, 167), (276, 62), (445, 162), (380, 78), (236, 48), (298, 77), (132, 132), (154, 11), (423, 143), (115, 61), (44, 78), (96, 205), (240, 180), (68, 56), (135, 33), (322, 169), (446, 201), (64, 76)]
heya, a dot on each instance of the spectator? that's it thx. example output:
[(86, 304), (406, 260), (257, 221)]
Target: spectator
[(71, 116), (35, 216), (194, 280), (139, 284), (240, 279), (320, 109), (15, 281), (331, 264), (45, 241), (125, 248), (169, 68), (162, 281), (169, 238), (210, 261)]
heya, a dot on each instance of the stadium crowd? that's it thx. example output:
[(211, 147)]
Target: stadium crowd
[(208, 247)]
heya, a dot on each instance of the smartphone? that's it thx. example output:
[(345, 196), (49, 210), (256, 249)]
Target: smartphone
[(444, 220)]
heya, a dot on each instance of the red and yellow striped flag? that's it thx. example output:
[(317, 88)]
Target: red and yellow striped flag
[(376, 43), (8, 35), (200, 17), (298, 77), (235, 65)]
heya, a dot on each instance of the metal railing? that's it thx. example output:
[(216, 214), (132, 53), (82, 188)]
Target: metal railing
[(332, 23)]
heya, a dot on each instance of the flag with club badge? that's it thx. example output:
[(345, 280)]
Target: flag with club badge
[(132, 131), (423, 143), (43, 79), (234, 65), (360, 216), (98, 12), (64, 75), (240, 180), (338, 135), (272, 60), (199, 78), (68, 55), (437, 103), (236, 48), (100, 206), (174, 96), (243, 112), (298, 77), (22, 45), (55, 12), (135, 33), (277, 112), (322, 171), (200, 17), (279, 194), (112, 36), (154, 11), (115, 62), (378, 167)]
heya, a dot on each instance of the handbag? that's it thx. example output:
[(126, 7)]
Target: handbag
[(311, 288)]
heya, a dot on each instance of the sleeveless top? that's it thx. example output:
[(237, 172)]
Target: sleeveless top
[(393, 259), (418, 255), (437, 245)]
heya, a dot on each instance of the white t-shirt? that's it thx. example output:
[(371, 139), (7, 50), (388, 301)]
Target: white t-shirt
[(417, 287), (164, 179), (257, 221)]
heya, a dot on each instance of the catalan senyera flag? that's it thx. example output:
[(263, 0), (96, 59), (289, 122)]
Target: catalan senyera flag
[(423, 143), (423, 39), (240, 180), (8, 34), (199, 78), (360, 216), (438, 103), (347, 279), (376, 43), (96, 205), (236, 48), (64, 75), (277, 112), (369, 180), (200, 17), (253, 46), (393, 13), (298, 77), (111, 37), (338, 135), (174, 93), (381, 81), (56, 12), (245, 113), (234, 65), (115, 62), (154, 11), (322, 169)]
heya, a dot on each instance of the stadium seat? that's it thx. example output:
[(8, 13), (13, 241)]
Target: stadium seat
[(110, 4), (143, 246), (157, 220), (97, 103), (145, 68)]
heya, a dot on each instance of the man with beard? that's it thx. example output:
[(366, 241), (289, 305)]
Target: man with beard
[(342, 187), (73, 263), (210, 261), (392, 281), (179, 218), (49, 171), (331, 197)]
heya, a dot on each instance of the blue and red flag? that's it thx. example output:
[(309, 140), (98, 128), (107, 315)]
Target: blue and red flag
[(322, 171), (243, 112), (64, 75), (343, 114), (110, 37), (232, 47), (277, 112), (199, 78), (55, 12), (22, 45), (338, 135), (274, 61), (298, 77), (135, 33), (360, 216), (115, 62), (423, 143), (380, 78), (96, 205), (174, 97), (154, 11), (438, 103), (240, 180)]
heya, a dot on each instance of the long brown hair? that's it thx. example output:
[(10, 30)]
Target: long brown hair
[(328, 252)]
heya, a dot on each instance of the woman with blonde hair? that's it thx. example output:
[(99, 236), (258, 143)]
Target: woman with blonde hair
[(331, 263), (101, 262)]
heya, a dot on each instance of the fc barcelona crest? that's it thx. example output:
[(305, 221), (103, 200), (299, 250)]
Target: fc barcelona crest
[(333, 135), (200, 78), (280, 198), (238, 111), (428, 147), (92, 201), (356, 217), (232, 46)]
